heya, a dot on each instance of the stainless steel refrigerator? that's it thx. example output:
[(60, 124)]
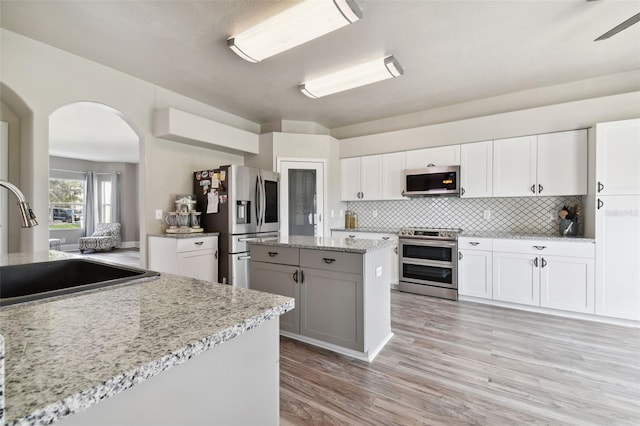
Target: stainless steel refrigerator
[(241, 203)]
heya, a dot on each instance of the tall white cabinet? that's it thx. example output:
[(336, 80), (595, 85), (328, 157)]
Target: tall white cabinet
[(616, 186)]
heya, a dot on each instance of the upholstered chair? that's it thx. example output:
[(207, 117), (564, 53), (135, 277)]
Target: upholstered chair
[(105, 237)]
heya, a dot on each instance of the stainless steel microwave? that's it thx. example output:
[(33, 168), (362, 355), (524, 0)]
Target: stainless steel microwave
[(435, 180)]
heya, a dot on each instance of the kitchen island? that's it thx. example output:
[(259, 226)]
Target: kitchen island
[(169, 350), (340, 285)]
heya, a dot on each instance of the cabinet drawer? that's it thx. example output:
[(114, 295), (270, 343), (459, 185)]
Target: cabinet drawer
[(275, 254), (546, 247), (192, 244), (472, 243), (331, 260)]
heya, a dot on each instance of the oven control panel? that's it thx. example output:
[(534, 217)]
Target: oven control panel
[(426, 233)]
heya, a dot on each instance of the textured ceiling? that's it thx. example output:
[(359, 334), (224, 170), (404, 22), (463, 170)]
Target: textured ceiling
[(452, 51)]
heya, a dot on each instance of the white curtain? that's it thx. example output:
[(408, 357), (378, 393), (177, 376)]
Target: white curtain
[(90, 204), (115, 198)]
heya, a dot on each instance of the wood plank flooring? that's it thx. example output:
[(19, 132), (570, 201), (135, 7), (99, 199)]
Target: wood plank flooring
[(460, 363)]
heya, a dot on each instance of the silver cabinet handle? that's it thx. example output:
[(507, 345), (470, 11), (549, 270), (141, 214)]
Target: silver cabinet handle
[(328, 260), (533, 189), (295, 276), (600, 204), (535, 262), (540, 188), (199, 243), (474, 243), (600, 186), (544, 262), (385, 238), (272, 253), (539, 247), (460, 256)]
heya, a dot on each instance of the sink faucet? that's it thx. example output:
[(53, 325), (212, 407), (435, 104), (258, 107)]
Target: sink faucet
[(26, 214)]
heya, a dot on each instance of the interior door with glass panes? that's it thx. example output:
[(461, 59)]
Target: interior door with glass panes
[(302, 197)]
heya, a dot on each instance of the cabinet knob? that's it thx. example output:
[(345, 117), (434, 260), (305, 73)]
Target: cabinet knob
[(600, 203), (215, 256), (199, 243), (301, 277), (385, 238), (474, 243), (461, 191), (460, 256), (295, 276), (544, 262)]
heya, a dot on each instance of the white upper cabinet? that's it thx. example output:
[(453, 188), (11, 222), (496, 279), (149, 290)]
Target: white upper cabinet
[(361, 178), (476, 169), (440, 156), (514, 167), (562, 163), (618, 158), (547, 165), (393, 166)]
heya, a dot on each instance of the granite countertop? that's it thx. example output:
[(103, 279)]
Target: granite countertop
[(378, 229), (186, 235), (64, 354), (525, 236), (349, 245)]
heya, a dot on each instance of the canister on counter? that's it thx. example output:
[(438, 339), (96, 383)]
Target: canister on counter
[(354, 220), (347, 219)]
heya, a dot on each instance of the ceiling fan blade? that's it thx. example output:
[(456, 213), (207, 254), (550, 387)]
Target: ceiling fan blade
[(615, 30)]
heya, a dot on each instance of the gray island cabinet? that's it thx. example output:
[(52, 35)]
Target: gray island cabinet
[(340, 287)]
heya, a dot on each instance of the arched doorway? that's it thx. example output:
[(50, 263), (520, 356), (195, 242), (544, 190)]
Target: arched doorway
[(89, 140)]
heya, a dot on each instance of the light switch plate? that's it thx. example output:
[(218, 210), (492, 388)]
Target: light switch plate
[(486, 215), (379, 271), (158, 214)]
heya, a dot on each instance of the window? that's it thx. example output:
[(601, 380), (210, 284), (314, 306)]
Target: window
[(66, 202), (104, 198)]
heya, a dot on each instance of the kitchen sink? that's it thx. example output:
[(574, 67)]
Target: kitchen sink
[(33, 281)]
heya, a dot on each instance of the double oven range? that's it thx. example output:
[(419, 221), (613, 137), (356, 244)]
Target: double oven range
[(429, 261)]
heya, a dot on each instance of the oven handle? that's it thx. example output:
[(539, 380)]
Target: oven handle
[(427, 242)]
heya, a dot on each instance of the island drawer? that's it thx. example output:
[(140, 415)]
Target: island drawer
[(331, 260), (275, 254), (193, 244)]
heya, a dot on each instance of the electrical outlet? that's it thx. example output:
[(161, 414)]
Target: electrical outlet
[(341, 213), (159, 214), (374, 213), (486, 215), (552, 216), (379, 271), (63, 240), (333, 214)]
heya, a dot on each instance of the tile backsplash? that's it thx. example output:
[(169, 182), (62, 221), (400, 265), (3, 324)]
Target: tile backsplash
[(535, 215)]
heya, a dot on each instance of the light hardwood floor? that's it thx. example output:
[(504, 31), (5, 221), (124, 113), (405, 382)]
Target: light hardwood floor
[(453, 363)]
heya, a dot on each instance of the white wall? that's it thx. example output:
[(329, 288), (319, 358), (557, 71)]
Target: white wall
[(45, 78), (566, 116)]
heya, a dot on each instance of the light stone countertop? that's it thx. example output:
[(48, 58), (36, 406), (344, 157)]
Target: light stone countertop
[(523, 236), (180, 235), (349, 245), (373, 229), (66, 353)]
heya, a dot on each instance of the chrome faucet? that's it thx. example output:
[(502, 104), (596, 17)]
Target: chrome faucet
[(26, 214)]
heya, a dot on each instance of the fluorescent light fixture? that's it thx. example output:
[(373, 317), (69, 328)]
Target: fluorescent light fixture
[(293, 27), (360, 75)]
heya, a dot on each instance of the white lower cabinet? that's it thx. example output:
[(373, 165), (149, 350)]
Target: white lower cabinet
[(475, 267), (567, 283), (550, 274), (515, 278), (395, 260), (193, 257)]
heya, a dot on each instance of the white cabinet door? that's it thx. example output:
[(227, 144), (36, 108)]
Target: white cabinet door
[(475, 274), (439, 156), (514, 167), (562, 163), (567, 283), (200, 264), (350, 178), (393, 166), (617, 257), (516, 278), (476, 168), (371, 177), (618, 157)]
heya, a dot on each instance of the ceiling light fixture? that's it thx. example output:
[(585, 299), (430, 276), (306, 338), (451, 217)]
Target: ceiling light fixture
[(360, 75), (293, 27)]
